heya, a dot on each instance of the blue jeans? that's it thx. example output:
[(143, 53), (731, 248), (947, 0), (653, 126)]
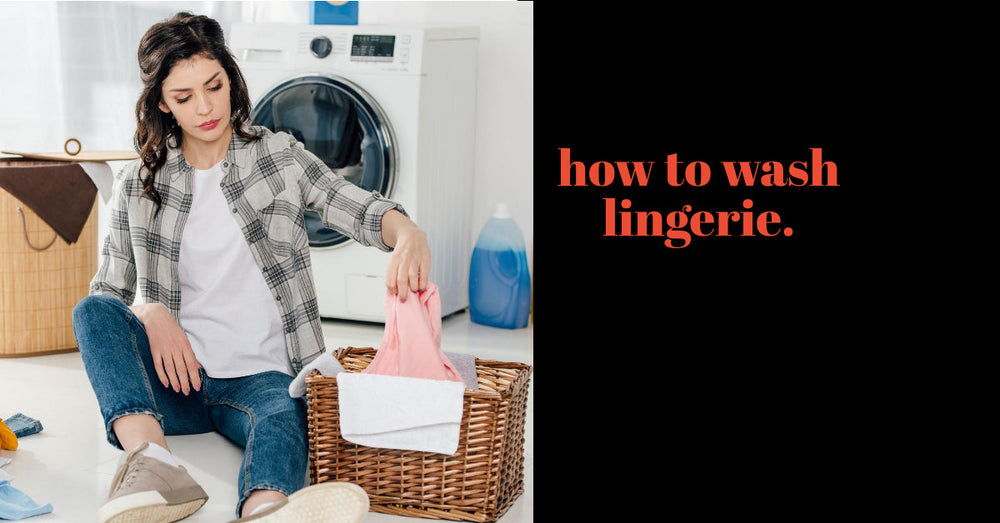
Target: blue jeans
[(255, 411)]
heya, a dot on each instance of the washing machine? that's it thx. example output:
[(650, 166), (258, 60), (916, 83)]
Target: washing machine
[(392, 109)]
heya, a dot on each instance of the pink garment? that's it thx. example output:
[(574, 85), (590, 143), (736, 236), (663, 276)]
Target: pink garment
[(411, 345)]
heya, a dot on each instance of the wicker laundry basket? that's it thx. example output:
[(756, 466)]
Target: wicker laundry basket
[(478, 483), (40, 282)]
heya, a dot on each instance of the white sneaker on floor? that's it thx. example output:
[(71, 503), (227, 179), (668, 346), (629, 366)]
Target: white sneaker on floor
[(334, 502)]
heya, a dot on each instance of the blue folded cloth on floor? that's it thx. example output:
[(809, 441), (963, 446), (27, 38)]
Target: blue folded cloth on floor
[(22, 425), (15, 505)]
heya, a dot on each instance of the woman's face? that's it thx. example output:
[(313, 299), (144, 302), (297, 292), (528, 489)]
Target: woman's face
[(196, 92)]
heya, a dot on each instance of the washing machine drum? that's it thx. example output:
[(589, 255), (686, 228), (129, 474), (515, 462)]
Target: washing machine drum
[(343, 126)]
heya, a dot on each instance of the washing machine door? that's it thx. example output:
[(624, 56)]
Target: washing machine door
[(342, 125)]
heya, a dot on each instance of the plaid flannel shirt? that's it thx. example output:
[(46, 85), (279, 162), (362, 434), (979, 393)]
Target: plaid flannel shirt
[(267, 184)]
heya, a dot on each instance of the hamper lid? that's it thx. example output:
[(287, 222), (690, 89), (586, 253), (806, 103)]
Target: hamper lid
[(73, 152), (82, 156)]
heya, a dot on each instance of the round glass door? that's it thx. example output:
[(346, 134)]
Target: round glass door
[(343, 126)]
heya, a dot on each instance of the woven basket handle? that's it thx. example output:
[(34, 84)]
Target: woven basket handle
[(24, 223)]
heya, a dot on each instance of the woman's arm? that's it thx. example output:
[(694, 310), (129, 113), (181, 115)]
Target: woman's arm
[(173, 357), (410, 262), (116, 274), (369, 219)]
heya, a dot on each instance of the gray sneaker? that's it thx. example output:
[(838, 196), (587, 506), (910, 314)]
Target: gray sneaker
[(335, 502), (148, 490)]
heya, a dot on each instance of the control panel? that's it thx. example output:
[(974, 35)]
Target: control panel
[(385, 50)]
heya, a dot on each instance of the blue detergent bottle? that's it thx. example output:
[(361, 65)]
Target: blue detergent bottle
[(499, 283)]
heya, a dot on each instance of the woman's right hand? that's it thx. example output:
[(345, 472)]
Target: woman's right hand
[(173, 358)]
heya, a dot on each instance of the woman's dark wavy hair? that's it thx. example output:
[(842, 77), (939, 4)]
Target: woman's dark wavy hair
[(181, 37)]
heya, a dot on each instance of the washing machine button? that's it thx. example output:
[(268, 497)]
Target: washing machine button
[(321, 47)]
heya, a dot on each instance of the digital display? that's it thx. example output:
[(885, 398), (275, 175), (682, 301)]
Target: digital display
[(377, 48)]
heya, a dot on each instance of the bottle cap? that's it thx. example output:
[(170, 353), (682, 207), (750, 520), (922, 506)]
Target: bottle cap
[(501, 211)]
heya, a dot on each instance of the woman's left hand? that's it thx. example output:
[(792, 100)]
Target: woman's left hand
[(410, 263)]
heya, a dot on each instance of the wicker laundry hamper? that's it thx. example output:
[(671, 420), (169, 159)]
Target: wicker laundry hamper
[(478, 483), (42, 277)]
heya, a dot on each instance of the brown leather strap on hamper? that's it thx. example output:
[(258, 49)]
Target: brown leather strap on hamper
[(60, 193)]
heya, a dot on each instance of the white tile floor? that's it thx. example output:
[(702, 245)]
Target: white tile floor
[(70, 465)]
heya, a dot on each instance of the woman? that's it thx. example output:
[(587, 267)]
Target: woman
[(203, 308)]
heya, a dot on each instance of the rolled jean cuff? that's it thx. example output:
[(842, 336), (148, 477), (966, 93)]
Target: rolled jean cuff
[(23, 425), (113, 438)]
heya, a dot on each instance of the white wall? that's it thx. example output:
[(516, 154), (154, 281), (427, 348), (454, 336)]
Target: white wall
[(504, 111)]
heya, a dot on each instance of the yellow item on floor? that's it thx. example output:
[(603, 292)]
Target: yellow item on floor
[(8, 440)]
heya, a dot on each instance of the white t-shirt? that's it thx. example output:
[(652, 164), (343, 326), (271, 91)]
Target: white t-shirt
[(227, 310)]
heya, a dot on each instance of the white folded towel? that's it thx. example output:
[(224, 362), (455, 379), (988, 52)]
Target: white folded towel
[(399, 412)]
